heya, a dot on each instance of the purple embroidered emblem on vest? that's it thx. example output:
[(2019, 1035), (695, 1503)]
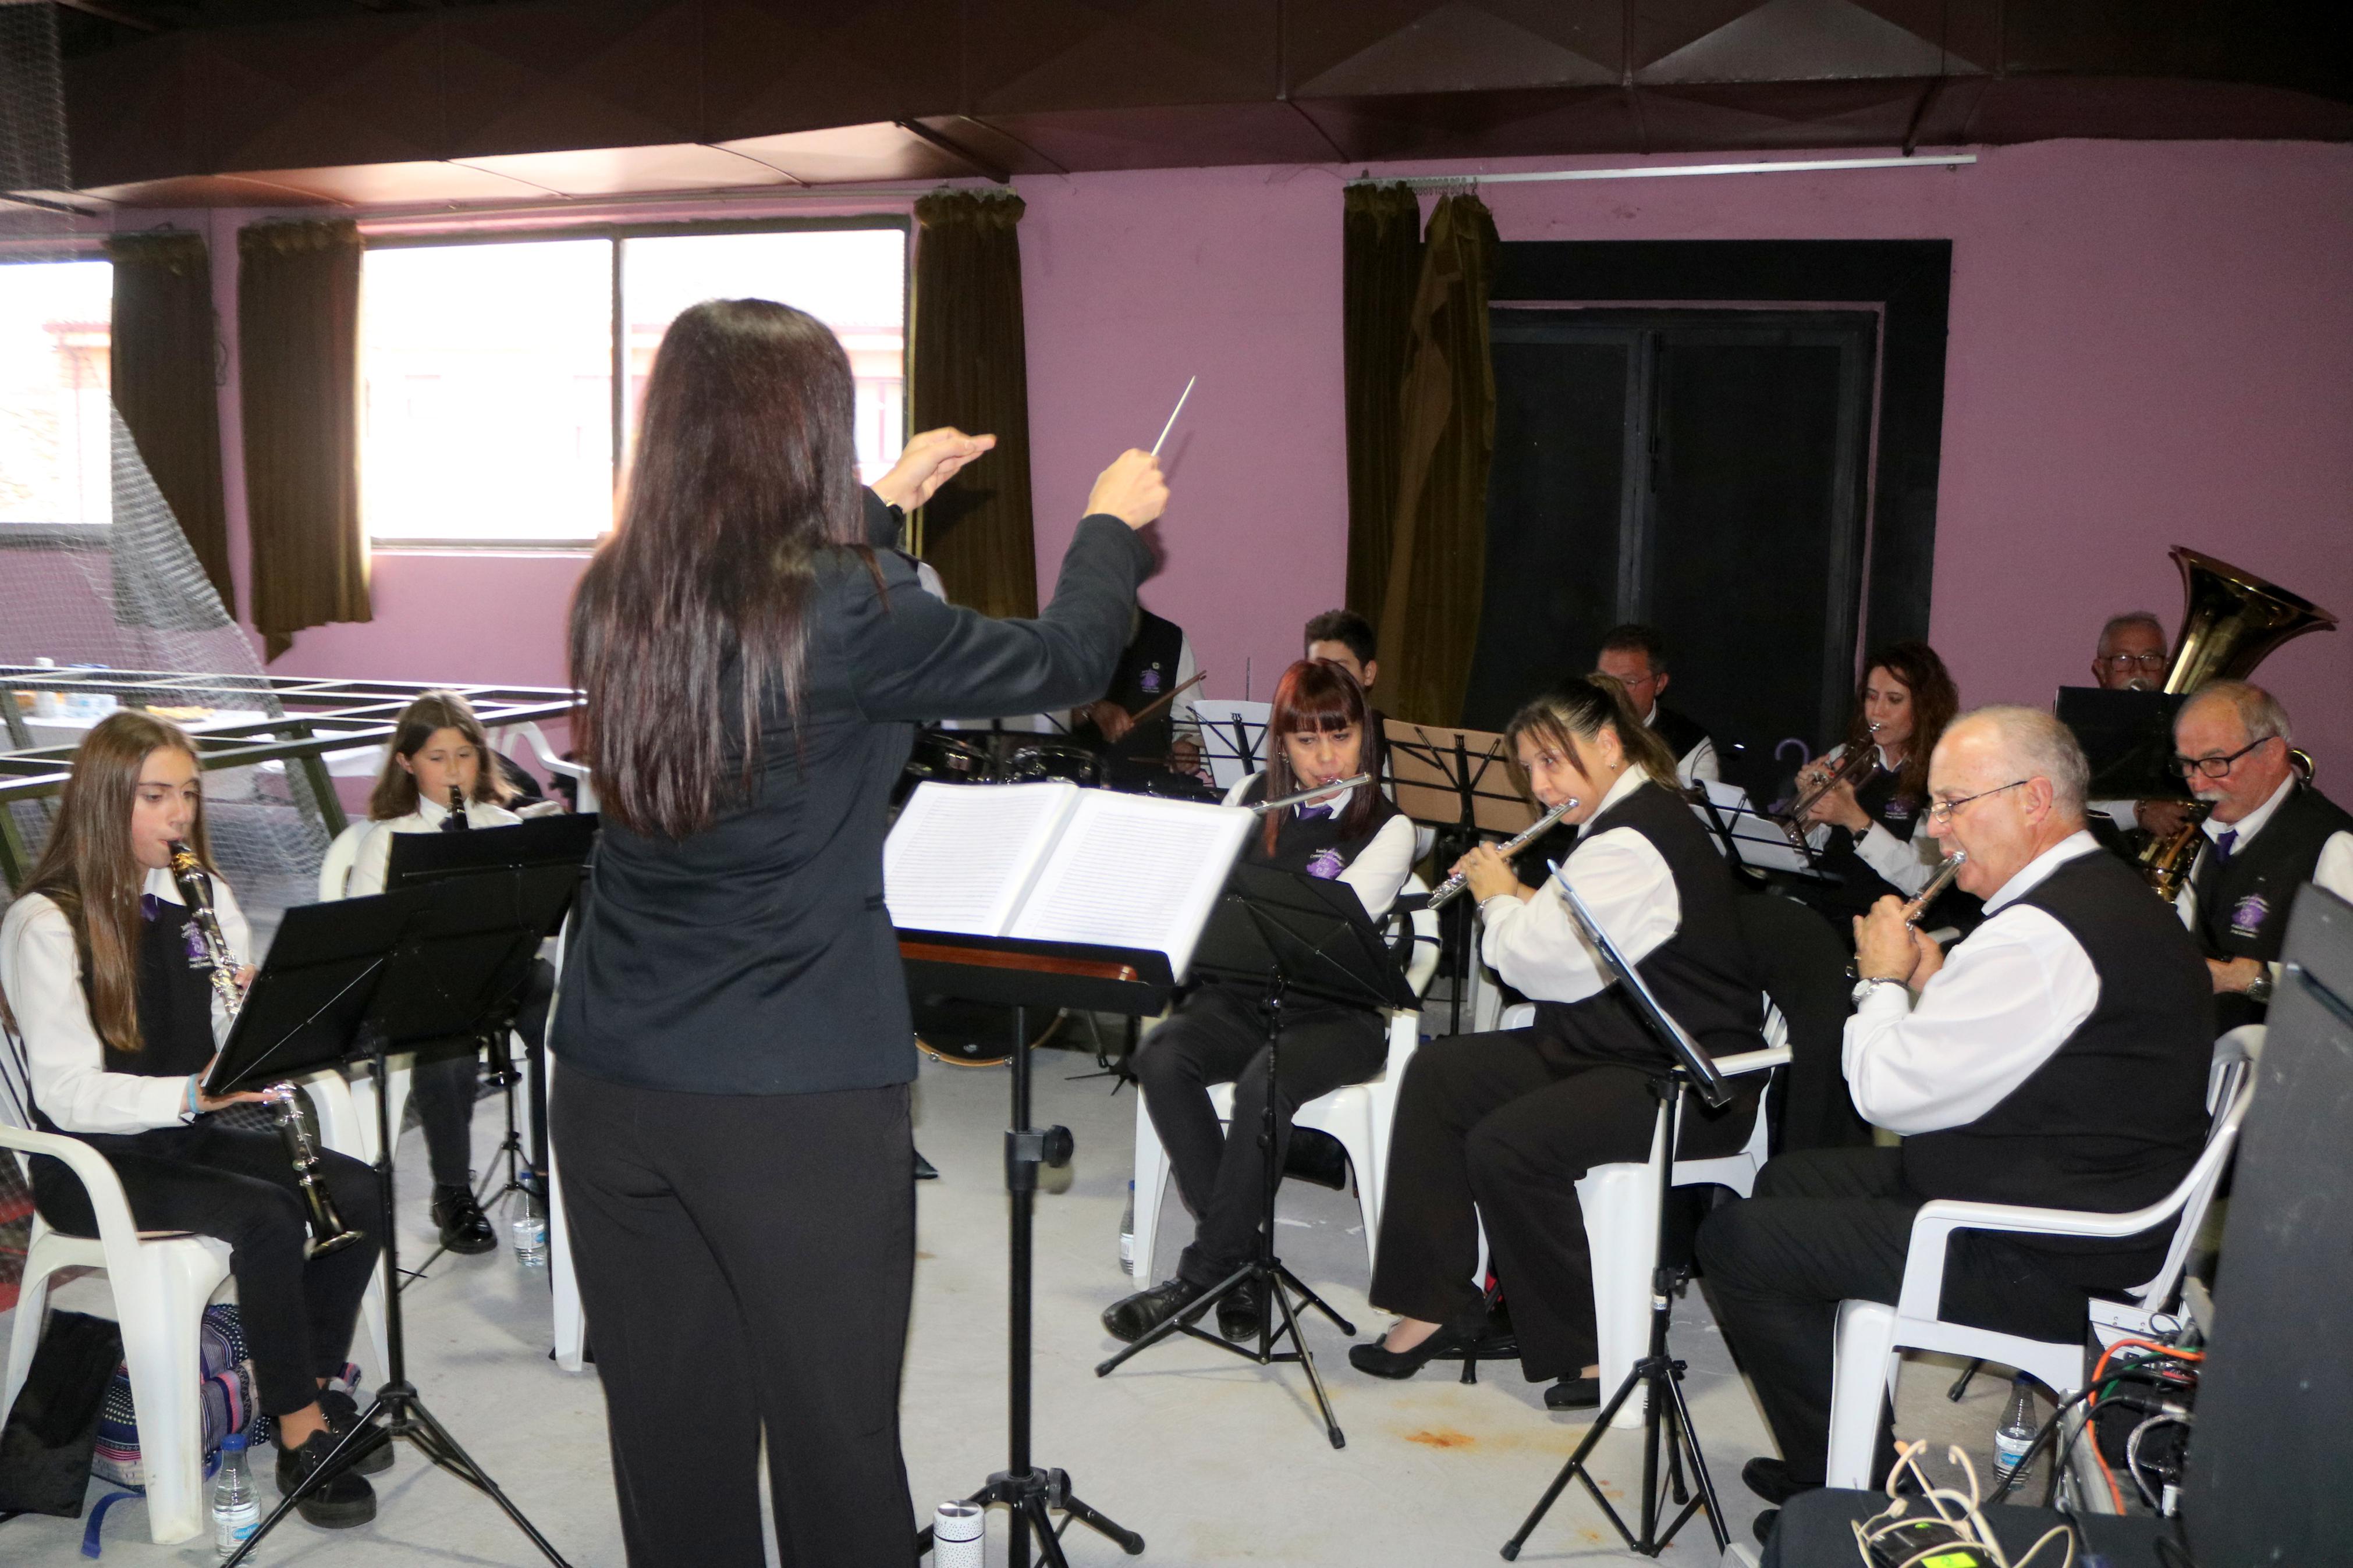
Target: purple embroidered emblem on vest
[(2247, 916), (1150, 680), (1325, 862)]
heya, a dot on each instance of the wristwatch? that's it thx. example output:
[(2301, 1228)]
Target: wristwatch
[(2259, 989), (1863, 987)]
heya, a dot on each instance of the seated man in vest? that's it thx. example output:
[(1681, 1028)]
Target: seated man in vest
[(1635, 655), (1159, 659), (2269, 833), (2056, 1058)]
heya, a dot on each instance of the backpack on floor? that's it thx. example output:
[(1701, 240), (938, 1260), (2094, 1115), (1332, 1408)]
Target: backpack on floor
[(229, 1402)]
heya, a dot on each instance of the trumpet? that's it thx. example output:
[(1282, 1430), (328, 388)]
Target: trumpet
[(328, 1232), (1936, 884), (1263, 807), (1855, 767), (1543, 825)]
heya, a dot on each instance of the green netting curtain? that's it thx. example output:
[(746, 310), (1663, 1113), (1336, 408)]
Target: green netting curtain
[(1438, 544), (165, 351), (972, 371), (298, 299)]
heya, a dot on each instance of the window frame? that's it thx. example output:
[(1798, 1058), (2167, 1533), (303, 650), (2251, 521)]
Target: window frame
[(617, 234)]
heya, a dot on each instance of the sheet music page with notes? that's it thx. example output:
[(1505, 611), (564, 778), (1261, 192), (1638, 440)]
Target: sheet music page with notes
[(962, 857), (1134, 871)]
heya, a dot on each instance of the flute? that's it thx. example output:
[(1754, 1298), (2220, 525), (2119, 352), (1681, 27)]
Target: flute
[(1936, 884), (1509, 848), (1263, 807)]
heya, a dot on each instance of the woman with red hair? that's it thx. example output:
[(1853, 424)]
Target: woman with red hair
[(1318, 734)]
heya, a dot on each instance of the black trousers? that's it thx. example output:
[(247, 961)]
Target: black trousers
[(1500, 1128), (746, 1263), (445, 1085), (238, 1186), (1832, 1225), (1217, 1035)]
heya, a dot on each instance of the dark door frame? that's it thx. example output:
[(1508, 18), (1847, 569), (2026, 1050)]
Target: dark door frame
[(1911, 283)]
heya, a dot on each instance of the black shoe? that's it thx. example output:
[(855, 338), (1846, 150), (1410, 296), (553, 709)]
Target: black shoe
[(1574, 1394), (342, 1501), (1130, 1319), (343, 1414), (1239, 1312), (1770, 1480), (1376, 1360), (464, 1227), (1765, 1523), (924, 1170)]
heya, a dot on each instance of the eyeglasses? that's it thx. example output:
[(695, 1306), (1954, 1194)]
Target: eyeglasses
[(1942, 810), (2127, 660), (2214, 768)]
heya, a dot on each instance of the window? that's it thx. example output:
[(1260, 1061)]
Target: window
[(56, 326), (489, 368)]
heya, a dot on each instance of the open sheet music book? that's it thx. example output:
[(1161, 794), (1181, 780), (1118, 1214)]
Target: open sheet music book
[(1053, 862)]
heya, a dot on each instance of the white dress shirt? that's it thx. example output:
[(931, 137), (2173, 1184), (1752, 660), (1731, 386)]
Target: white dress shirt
[(1380, 868), (41, 974), (1623, 879), (372, 862), (1905, 864), (2007, 998), (1698, 763), (2334, 871)]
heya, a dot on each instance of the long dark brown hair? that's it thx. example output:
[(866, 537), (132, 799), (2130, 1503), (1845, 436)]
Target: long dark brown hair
[(1935, 701), (1583, 706), (1311, 697), (395, 787), (745, 474), (88, 871)]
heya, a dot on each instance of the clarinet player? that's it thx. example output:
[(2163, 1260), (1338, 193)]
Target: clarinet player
[(732, 1115)]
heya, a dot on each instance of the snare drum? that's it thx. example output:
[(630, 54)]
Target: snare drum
[(1052, 760)]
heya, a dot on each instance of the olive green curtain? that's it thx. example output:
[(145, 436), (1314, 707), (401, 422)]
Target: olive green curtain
[(972, 371), (1438, 543), (164, 352), (298, 315), (1380, 265)]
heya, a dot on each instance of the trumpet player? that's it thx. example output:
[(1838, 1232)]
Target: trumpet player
[(113, 1018), (1866, 829), (1500, 1127), (2268, 832)]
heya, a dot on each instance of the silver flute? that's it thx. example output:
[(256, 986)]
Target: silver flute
[(1936, 884), (1263, 807), (1509, 848)]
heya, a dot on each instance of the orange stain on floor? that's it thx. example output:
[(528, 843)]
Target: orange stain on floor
[(1442, 1438)]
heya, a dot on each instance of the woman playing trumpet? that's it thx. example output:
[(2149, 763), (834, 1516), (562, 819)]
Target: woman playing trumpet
[(1500, 1127), (107, 993)]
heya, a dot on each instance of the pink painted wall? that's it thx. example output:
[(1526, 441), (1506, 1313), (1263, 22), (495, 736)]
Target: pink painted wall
[(2151, 345)]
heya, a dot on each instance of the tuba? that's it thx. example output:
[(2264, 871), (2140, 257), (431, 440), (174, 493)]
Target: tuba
[(2230, 622)]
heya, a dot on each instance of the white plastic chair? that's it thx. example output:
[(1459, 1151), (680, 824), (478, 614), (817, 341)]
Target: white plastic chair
[(1359, 1114), (1873, 1335), (576, 772)]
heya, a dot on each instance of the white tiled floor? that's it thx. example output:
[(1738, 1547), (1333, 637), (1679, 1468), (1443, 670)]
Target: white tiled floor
[(1213, 1460)]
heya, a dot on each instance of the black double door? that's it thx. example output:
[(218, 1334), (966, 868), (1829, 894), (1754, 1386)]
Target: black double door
[(1700, 470)]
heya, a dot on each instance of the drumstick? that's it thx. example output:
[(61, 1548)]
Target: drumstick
[(1157, 703), (1172, 415)]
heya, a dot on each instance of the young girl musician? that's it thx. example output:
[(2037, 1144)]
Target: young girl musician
[(439, 754), (108, 991), (1215, 1034), (1500, 1127)]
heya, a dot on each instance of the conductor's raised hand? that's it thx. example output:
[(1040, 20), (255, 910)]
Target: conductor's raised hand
[(925, 463), (1132, 490)]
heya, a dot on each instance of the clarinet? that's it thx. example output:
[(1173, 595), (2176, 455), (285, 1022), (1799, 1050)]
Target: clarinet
[(456, 821), (1509, 848), (328, 1232)]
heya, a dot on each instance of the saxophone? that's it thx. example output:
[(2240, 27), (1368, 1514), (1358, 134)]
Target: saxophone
[(328, 1232)]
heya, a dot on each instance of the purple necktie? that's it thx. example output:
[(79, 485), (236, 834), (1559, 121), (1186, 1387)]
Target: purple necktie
[(1313, 813), (2230, 835)]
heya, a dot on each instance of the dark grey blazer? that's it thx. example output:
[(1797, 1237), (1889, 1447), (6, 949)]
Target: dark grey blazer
[(756, 957)]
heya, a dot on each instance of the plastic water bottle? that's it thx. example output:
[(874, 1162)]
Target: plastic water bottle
[(2015, 1435), (1127, 1233), (529, 1230), (236, 1507)]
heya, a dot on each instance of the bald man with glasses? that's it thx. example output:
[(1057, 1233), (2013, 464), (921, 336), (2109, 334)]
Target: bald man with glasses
[(2055, 1059), (2269, 833)]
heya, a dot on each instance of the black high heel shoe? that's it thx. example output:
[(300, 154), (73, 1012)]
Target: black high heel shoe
[(1376, 1360)]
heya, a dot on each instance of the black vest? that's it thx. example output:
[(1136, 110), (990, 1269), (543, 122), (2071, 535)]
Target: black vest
[(1682, 735), (1702, 974), (2117, 1115), (1317, 845), (2243, 903), (175, 1002), (1147, 672)]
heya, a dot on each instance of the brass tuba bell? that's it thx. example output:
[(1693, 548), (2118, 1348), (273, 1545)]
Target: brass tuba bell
[(2230, 622)]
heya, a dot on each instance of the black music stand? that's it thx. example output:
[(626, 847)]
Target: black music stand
[(1023, 974), (419, 859), (1458, 782), (2127, 738), (364, 977), (1686, 1070), (1290, 934)]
